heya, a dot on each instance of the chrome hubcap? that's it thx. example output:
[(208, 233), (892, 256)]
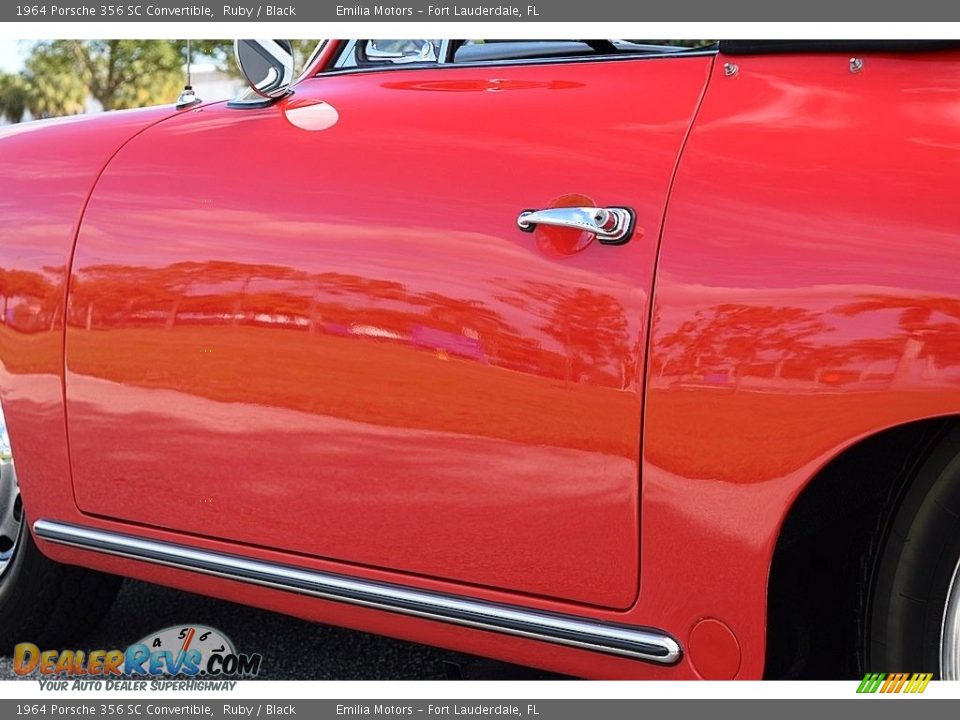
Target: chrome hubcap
[(11, 507), (950, 631)]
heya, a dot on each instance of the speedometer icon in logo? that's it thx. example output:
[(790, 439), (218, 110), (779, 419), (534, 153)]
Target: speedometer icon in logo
[(184, 638), (187, 649)]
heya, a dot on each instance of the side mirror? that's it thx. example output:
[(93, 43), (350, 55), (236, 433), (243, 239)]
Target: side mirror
[(267, 65)]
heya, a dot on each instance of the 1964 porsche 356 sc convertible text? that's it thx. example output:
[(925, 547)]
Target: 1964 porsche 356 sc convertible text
[(613, 359)]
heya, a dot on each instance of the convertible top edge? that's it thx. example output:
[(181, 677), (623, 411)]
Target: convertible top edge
[(770, 47)]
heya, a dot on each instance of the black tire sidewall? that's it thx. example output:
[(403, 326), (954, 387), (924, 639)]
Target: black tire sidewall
[(20, 586), (913, 571), (10, 579)]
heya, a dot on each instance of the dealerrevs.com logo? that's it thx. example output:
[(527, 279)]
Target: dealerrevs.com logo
[(200, 657)]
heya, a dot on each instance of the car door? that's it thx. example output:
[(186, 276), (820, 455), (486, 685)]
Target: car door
[(315, 325)]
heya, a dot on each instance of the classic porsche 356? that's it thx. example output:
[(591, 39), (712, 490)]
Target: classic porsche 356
[(609, 358)]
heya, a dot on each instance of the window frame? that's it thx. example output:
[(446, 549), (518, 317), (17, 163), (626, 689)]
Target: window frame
[(334, 65)]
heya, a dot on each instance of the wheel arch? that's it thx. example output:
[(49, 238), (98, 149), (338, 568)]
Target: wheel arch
[(828, 540)]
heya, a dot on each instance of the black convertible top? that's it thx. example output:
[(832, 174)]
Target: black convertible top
[(764, 47)]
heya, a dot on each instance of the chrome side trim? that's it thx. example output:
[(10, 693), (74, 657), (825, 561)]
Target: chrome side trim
[(614, 639)]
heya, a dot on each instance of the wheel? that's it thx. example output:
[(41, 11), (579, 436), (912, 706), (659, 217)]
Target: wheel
[(913, 622), (41, 601)]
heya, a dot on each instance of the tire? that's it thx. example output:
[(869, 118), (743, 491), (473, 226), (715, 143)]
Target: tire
[(914, 569), (47, 603)]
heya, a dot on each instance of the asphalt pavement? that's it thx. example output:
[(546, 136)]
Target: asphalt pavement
[(292, 649)]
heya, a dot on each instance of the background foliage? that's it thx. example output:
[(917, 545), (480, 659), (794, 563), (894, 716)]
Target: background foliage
[(59, 76)]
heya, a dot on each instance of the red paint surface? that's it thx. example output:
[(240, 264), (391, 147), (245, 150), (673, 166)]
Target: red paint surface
[(341, 344), (805, 298), (714, 651), (47, 170)]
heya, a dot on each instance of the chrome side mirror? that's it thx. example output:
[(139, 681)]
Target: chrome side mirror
[(267, 65), (399, 51)]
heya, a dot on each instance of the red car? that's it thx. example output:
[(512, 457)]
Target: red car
[(614, 359)]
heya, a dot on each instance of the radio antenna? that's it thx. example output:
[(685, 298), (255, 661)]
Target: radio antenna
[(187, 96)]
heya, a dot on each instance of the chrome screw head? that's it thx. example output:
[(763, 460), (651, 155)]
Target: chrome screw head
[(730, 69), (856, 65)]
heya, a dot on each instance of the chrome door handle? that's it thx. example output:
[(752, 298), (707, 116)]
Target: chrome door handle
[(611, 225)]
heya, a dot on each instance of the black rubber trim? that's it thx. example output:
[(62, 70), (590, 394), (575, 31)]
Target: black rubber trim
[(252, 104), (770, 47)]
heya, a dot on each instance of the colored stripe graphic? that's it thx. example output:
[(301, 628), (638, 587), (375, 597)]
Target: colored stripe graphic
[(894, 683), (871, 682)]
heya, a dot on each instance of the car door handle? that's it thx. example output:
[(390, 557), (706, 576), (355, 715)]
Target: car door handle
[(611, 225)]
